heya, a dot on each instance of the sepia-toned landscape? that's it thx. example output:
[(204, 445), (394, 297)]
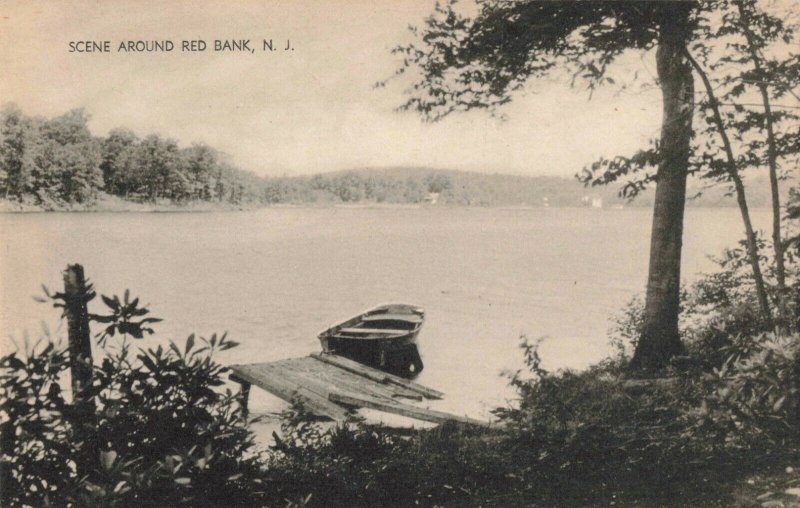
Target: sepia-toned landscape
[(477, 253)]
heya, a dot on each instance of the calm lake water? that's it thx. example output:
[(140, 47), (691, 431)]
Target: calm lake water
[(275, 277)]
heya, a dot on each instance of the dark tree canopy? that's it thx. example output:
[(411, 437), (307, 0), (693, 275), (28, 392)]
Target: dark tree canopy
[(478, 62)]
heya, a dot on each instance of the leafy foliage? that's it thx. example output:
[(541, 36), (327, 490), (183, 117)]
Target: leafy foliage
[(365, 465), (467, 62), (56, 162), (122, 318), (178, 438), (719, 309), (723, 43), (36, 465), (167, 431), (636, 171), (752, 399), (639, 440), (47, 161), (745, 376)]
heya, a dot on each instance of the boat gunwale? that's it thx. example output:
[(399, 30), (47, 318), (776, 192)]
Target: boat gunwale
[(332, 331)]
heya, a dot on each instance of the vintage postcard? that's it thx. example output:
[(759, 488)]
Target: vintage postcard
[(412, 253)]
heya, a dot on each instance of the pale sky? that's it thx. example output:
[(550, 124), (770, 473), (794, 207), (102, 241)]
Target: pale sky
[(310, 110)]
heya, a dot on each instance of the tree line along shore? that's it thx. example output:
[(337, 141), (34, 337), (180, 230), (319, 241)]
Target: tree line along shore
[(58, 164)]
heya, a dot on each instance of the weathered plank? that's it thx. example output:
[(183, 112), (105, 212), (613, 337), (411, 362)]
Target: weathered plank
[(314, 384), (276, 385), (336, 378), (377, 375), (428, 415), (331, 386), (275, 382), (339, 377), (312, 377)]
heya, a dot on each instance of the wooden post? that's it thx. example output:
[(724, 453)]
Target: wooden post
[(244, 394), (7, 446), (76, 297), (80, 342)]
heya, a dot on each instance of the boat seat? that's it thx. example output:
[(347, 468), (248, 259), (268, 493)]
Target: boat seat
[(411, 318), (382, 331)]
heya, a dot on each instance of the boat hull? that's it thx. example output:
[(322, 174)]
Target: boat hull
[(384, 338)]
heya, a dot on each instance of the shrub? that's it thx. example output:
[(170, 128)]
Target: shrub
[(180, 439), (718, 311), (37, 442), (753, 399), (591, 428), (366, 465), (643, 437), (165, 433)]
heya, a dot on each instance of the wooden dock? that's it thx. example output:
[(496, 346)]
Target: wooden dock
[(334, 387)]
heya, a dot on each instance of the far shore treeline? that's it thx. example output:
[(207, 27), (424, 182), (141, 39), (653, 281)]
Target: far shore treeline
[(56, 163)]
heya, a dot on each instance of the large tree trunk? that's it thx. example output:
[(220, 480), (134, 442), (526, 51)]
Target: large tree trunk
[(660, 339)]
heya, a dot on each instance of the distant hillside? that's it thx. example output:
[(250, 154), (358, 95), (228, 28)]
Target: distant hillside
[(419, 185), (464, 188)]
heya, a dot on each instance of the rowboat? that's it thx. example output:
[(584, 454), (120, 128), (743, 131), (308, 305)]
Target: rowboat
[(384, 337)]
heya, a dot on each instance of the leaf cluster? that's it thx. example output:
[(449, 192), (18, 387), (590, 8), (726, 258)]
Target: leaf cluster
[(126, 318), (168, 430), (37, 441), (479, 62)]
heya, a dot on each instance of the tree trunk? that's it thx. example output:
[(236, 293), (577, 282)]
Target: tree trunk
[(772, 161), (660, 339), (741, 198), (76, 296), (777, 241)]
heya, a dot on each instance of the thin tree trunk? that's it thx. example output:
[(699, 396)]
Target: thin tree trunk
[(660, 339), (772, 161), (741, 199)]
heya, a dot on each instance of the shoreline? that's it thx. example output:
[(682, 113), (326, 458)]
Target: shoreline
[(117, 205)]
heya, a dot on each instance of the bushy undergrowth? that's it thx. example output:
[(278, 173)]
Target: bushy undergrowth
[(164, 433), (653, 435), (36, 440), (167, 433), (737, 388), (753, 400), (452, 465)]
